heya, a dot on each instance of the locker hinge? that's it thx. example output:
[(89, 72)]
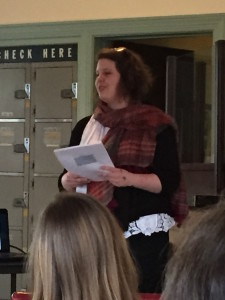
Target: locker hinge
[(74, 89), (25, 197), (23, 94), (27, 144), (34, 110)]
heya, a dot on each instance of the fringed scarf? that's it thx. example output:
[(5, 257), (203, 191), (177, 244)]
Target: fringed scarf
[(131, 142)]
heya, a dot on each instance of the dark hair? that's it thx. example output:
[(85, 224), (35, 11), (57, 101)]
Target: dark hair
[(197, 269), (136, 78)]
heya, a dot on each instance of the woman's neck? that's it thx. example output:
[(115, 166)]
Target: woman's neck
[(122, 103)]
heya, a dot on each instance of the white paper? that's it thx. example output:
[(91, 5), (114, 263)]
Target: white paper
[(84, 160)]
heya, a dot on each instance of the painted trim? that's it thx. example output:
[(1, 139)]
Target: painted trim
[(102, 28)]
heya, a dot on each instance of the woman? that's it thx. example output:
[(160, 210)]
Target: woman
[(79, 252), (141, 141), (197, 269)]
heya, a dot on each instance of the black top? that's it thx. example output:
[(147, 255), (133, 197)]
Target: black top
[(134, 202)]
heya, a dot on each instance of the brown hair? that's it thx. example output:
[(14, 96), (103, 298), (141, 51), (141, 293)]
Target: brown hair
[(79, 252), (136, 78), (197, 269)]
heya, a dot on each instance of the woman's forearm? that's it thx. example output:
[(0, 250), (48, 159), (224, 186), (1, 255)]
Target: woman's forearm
[(149, 182), (121, 178)]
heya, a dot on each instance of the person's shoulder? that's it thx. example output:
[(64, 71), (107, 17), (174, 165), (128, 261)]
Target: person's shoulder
[(155, 110), (82, 122), (157, 116), (77, 131)]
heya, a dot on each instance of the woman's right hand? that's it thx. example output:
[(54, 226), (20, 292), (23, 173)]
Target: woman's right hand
[(70, 181)]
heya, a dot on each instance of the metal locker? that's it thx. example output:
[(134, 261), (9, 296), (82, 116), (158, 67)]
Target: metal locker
[(37, 114), (14, 160), (48, 137), (43, 191), (52, 90), (12, 147), (53, 115), (12, 197), (12, 80)]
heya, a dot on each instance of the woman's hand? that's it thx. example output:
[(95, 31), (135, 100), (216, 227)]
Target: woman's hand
[(70, 181), (120, 178)]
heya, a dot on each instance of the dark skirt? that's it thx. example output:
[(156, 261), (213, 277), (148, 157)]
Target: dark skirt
[(151, 255)]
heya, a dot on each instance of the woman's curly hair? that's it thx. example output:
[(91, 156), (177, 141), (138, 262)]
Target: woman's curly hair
[(136, 77)]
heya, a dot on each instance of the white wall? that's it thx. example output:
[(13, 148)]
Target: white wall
[(33, 11)]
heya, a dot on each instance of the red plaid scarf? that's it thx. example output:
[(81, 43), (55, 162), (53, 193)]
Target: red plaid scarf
[(131, 141)]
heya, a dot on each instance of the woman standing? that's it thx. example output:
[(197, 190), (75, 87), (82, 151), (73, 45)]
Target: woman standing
[(141, 141)]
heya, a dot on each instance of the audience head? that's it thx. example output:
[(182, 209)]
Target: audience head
[(79, 252), (196, 271), (135, 76)]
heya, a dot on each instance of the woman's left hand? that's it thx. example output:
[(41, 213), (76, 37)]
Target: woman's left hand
[(121, 178), (118, 177)]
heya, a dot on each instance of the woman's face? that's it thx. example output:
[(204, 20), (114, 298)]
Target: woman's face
[(107, 82)]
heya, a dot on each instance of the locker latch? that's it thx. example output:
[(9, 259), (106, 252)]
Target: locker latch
[(70, 94), (23, 94), (22, 148), (21, 202)]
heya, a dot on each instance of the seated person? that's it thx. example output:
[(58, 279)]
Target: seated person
[(79, 252), (197, 269)]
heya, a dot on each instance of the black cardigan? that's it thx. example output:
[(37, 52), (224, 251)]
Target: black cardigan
[(134, 202)]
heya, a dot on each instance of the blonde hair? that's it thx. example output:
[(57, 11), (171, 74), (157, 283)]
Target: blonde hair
[(79, 252)]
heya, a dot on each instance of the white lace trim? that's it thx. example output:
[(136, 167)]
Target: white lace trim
[(150, 224)]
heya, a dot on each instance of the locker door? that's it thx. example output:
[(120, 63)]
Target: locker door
[(12, 80), (48, 137), (52, 90), (12, 147), (53, 117)]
